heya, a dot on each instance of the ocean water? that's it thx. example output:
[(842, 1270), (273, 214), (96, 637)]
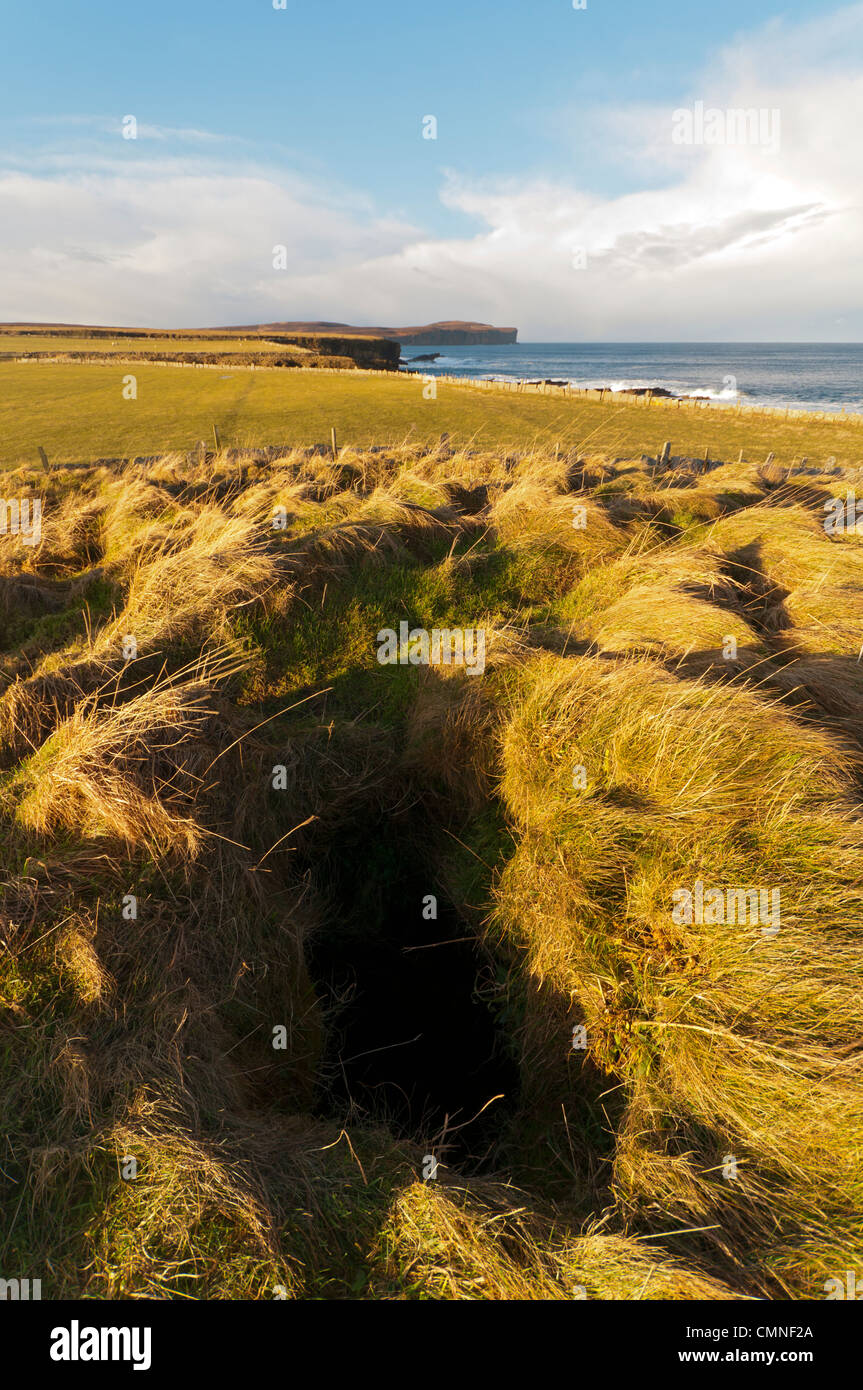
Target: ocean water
[(804, 376)]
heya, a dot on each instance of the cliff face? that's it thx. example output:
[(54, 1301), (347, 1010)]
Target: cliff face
[(447, 331), (319, 349), (377, 348), (381, 354), (442, 334)]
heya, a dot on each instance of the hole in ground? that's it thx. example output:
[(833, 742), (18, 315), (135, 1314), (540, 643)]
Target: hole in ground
[(412, 1037)]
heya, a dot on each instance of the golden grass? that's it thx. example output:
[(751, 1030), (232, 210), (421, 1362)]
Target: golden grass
[(121, 771), (606, 652), (475, 1243), (749, 1037)]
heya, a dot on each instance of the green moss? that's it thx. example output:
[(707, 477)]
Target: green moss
[(36, 635)]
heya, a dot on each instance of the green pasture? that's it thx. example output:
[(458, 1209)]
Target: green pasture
[(78, 412)]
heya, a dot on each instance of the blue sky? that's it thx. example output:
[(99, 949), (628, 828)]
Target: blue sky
[(310, 119), (339, 87)]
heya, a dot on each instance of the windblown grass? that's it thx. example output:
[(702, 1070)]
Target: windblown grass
[(689, 645)]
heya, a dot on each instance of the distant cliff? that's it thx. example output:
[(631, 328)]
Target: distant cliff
[(448, 331), (353, 348), (341, 343), (452, 332)]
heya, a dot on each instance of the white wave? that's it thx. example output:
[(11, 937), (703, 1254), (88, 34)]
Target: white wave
[(706, 393)]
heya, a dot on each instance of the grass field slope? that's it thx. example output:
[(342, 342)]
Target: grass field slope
[(82, 411), (610, 874)]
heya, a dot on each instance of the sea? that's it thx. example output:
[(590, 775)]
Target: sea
[(800, 376)]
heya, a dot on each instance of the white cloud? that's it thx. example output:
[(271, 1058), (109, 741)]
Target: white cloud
[(738, 242), (163, 245)]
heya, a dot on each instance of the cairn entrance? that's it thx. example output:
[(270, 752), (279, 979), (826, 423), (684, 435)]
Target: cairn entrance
[(412, 1038)]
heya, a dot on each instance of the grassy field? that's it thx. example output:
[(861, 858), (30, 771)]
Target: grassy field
[(78, 413), (234, 1034), (55, 342)]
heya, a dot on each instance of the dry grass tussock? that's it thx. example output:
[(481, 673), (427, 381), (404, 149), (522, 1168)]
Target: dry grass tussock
[(732, 1039), (209, 779)]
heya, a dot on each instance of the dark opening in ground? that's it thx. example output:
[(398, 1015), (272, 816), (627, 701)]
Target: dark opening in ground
[(412, 1038)]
